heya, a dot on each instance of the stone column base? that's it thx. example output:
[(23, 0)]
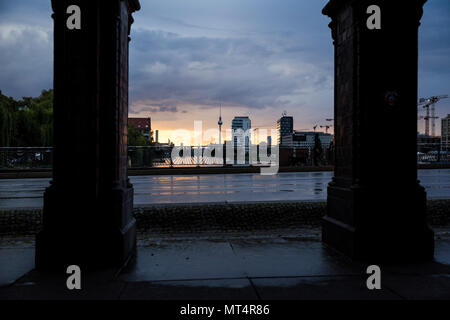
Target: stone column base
[(86, 234), (378, 225)]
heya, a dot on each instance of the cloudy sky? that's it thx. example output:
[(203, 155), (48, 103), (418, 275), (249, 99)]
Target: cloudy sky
[(187, 57)]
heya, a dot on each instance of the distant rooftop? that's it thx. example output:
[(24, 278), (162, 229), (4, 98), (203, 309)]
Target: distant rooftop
[(140, 123)]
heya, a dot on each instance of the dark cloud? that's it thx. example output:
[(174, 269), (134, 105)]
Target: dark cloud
[(26, 59), (145, 106), (434, 49), (257, 54), (250, 72), (434, 53)]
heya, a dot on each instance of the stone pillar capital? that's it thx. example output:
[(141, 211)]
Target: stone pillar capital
[(333, 7), (409, 13), (58, 5)]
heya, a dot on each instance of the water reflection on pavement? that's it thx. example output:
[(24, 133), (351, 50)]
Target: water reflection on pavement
[(306, 186)]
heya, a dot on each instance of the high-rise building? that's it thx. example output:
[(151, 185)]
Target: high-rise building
[(445, 133), (241, 131), (285, 127)]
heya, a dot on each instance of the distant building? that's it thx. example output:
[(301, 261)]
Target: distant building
[(445, 133), (285, 127), (143, 125), (241, 131), (300, 139), (428, 143)]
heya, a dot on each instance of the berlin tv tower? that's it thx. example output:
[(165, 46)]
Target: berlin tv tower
[(220, 125)]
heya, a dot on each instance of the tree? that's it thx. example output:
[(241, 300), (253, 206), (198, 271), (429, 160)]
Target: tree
[(135, 137), (8, 107), (27, 122), (35, 120)]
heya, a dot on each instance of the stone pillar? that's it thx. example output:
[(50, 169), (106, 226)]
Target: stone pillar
[(376, 206), (87, 217)]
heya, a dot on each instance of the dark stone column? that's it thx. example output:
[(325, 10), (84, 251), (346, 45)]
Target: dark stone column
[(376, 206), (88, 207)]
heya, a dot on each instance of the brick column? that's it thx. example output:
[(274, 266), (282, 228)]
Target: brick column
[(376, 206), (88, 207)]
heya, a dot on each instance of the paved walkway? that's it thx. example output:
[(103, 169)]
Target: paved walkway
[(27, 193), (278, 266)]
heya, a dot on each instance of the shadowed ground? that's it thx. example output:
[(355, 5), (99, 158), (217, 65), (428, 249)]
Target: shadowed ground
[(290, 264)]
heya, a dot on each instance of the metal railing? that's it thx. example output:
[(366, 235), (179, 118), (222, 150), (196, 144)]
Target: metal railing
[(26, 157), (161, 157), (433, 157)]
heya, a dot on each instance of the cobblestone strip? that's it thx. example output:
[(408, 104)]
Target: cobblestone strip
[(215, 217)]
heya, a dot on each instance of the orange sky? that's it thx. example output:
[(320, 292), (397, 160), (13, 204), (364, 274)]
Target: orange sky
[(169, 123)]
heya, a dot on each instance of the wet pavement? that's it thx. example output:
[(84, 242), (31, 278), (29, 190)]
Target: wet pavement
[(16, 259), (273, 266), (305, 186)]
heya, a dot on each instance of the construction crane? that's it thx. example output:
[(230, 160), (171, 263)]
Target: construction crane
[(429, 103), (326, 128)]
